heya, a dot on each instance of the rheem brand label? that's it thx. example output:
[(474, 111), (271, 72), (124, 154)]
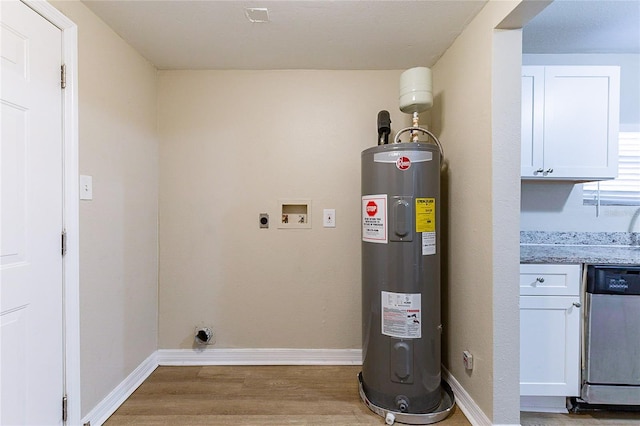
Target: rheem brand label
[(374, 218), (403, 163)]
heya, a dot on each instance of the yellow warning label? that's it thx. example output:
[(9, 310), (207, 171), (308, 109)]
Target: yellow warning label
[(425, 214)]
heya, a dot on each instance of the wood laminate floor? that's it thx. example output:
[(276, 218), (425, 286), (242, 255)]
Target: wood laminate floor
[(596, 418), (252, 395), (283, 395)]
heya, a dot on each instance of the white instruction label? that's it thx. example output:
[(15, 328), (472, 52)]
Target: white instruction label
[(401, 315), (428, 243), (374, 218)]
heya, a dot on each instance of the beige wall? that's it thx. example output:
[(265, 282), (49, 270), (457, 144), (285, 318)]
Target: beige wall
[(118, 228), (477, 263), (233, 144)]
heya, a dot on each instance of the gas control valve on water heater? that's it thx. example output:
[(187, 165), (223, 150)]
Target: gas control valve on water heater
[(401, 327)]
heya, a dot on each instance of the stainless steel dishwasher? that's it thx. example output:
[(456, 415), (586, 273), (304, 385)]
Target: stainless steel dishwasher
[(611, 372)]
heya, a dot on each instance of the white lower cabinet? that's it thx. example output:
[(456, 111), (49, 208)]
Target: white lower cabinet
[(550, 314), (549, 345)]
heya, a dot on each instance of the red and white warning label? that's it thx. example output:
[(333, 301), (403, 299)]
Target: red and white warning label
[(374, 218), (401, 315)]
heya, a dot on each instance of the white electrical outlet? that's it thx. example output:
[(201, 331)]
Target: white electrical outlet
[(86, 187), (467, 359), (329, 218)]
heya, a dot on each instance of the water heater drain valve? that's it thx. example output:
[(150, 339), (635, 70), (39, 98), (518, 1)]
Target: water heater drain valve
[(390, 419)]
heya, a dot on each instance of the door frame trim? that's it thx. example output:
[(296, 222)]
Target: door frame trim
[(71, 221)]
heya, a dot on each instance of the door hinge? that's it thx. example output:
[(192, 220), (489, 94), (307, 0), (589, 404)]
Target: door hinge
[(64, 242), (63, 76), (64, 408)]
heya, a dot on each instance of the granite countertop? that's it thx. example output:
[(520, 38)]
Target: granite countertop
[(602, 248)]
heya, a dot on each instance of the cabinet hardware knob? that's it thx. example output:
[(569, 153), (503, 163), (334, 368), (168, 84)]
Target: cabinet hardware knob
[(577, 304), (549, 171), (540, 279), (540, 170)]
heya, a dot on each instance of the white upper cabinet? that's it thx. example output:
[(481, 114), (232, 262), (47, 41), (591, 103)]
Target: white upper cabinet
[(570, 120)]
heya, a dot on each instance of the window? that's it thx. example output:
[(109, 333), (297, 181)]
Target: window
[(625, 190)]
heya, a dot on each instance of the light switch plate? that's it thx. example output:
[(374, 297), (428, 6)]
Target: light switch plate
[(329, 218), (86, 187)]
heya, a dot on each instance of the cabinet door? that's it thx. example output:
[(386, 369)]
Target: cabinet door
[(549, 345), (581, 120), (532, 121)]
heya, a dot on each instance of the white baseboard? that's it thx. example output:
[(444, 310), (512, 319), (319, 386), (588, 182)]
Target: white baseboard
[(260, 357), (471, 410), (114, 400)]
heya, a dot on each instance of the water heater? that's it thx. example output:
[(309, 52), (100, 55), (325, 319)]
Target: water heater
[(401, 327)]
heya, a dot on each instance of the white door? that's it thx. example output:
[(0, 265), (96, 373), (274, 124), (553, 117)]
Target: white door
[(31, 311)]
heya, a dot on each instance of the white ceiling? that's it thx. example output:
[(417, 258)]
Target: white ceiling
[(577, 26), (181, 34), (343, 34)]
